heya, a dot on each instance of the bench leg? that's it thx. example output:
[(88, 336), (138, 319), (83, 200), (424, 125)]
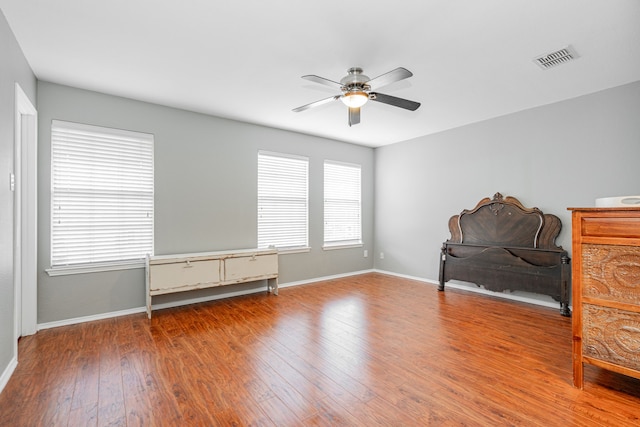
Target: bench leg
[(272, 286)]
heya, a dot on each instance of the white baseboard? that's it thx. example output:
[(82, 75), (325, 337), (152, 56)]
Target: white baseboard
[(205, 299), (469, 288), (472, 288), (4, 379), (137, 310), (537, 299), (322, 279), (91, 318), (252, 291)]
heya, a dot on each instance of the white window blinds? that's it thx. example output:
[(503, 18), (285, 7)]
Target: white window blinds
[(342, 218), (102, 195), (283, 200)]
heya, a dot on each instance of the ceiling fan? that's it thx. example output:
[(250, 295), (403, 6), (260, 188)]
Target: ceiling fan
[(358, 88)]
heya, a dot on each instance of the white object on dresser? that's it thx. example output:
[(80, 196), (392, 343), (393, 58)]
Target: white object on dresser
[(167, 274), (621, 202)]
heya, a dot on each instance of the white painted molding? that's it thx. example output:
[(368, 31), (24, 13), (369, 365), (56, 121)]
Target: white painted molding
[(207, 298), (26, 167), (91, 318), (252, 291), (520, 298), (137, 310), (473, 288), (96, 267), (322, 279), (4, 379)]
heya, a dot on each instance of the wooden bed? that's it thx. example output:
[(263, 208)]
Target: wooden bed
[(502, 245)]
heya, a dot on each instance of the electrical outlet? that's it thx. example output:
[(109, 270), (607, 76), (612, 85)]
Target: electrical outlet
[(366, 253), (381, 255)]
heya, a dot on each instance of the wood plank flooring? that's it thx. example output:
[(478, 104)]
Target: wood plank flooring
[(369, 350)]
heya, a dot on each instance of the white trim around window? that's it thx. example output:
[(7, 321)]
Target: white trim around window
[(342, 205), (102, 198), (283, 202)]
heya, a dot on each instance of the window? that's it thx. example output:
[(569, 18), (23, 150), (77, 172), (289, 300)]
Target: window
[(101, 197), (342, 218), (283, 201)]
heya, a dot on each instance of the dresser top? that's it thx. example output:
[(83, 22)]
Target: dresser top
[(608, 209)]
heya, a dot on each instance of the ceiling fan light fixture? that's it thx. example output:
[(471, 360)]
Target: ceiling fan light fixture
[(355, 99), (355, 90)]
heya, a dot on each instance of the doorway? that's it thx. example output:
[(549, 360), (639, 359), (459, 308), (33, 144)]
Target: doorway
[(24, 186)]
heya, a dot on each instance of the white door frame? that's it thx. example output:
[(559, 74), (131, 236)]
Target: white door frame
[(25, 216)]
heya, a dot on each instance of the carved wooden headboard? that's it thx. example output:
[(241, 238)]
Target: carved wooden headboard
[(504, 221)]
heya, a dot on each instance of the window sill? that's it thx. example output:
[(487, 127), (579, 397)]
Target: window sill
[(94, 268), (342, 246), (293, 251)]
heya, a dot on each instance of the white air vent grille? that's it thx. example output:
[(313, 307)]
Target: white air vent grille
[(556, 58)]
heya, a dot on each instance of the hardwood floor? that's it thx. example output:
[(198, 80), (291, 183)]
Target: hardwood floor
[(362, 351)]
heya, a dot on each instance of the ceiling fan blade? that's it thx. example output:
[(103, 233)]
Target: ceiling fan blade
[(390, 77), (396, 102), (316, 103), (354, 116), (322, 81)]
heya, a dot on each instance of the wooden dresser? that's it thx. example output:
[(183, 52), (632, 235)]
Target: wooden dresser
[(606, 290)]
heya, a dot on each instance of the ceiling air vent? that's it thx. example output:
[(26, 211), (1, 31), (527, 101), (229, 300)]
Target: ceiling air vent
[(556, 58)]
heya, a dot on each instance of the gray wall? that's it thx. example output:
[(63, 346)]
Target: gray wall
[(205, 196), (13, 68), (556, 156)]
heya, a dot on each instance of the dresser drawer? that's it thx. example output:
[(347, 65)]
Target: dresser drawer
[(628, 227), (611, 272), (185, 274), (611, 335), (250, 267)]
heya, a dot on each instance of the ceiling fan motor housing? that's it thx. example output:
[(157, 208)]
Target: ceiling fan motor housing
[(355, 81)]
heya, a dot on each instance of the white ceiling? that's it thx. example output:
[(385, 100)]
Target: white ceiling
[(472, 60)]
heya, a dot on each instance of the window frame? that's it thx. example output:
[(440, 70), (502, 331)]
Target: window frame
[(145, 192), (295, 248), (343, 243)]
